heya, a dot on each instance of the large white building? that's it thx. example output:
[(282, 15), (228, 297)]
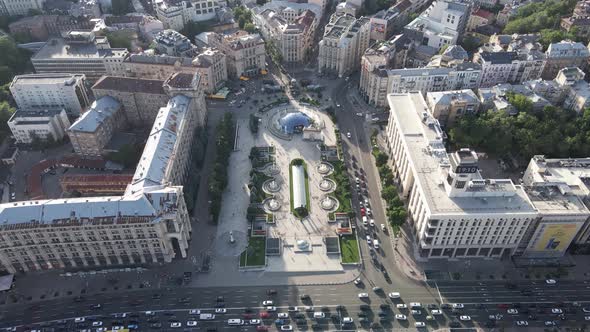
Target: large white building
[(176, 14), (453, 210), (442, 24), (386, 81), (142, 226), (51, 91), (40, 124), (79, 52), (20, 7), (345, 40)]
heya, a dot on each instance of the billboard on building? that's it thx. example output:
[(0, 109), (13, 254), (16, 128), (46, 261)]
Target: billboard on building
[(553, 238)]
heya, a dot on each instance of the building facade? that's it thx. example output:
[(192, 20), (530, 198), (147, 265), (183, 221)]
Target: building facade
[(51, 91), (43, 125), (508, 67), (141, 98), (345, 40), (564, 54), (93, 130), (245, 53), (449, 106), (211, 64), (79, 52), (453, 211), (172, 43), (20, 7)]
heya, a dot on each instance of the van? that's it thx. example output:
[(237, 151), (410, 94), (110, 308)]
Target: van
[(206, 316), (235, 321)]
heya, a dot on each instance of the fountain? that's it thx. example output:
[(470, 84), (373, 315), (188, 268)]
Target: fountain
[(324, 168), (329, 203), (271, 186), (327, 185), (271, 204)]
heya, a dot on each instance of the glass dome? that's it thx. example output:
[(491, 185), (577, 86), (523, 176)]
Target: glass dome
[(294, 122)]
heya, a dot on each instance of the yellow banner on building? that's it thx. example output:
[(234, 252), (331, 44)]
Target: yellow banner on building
[(555, 236)]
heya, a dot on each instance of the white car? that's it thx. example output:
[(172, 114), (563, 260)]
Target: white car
[(436, 312), (420, 324), (394, 295), (415, 305), (376, 244), (359, 114), (363, 295), (586, 317), (176, 324), (458, 306), (369, 240), (549, 323), (117, 328), (150, 313), (464, 318), (79, 320), (271, 309), (194, 312), (319, 315), (267, 302), (586, 310), (401, 317), (220, 310), (416, 312), (372, 222), (383, 227), (287, 328), (401, 306), (358, 281), (283, 315), (556, 311), (96, 324), (512, 311), (347, 320), (255, 321), (550, 281), (522, 323), (191, 323), (348, 135)]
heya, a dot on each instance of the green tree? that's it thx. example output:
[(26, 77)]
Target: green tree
[(380, 158), (470, 43), (191, 29), (388, 193), (121, 7), (251, 28), (128, 155), (520, 102), (397, 216), (119, 39), (537, 16)]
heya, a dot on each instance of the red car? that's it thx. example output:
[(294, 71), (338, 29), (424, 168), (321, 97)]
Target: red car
[(261, 328), (264, 314), (248, 316), (502, 306), (363, 212)]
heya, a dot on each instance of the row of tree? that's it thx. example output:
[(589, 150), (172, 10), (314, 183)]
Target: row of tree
[(395, 210), (538, 16), (554, 132), (218, 178)]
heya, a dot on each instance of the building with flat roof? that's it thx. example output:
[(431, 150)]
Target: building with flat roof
[(28, 125), (173, 43), (566, 53), (148, 224), (51, 91), (449, 106), (345, 40), (93, 129), (211, 65), (80, 52), (176, 14), (453, 211), (442, 24), (515, 66), (141, 98), (387, 21)]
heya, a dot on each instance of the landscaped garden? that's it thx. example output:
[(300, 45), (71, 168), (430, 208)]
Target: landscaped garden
[(349, 249), (342, 192), (255, 253)]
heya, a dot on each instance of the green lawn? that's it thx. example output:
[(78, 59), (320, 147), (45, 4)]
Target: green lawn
[(342, 191), (349, 249), (255, 253)]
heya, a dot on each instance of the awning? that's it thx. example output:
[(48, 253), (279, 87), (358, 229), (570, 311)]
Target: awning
[(6, 282)]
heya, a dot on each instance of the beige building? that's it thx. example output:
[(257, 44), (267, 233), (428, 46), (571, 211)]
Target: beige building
[(141, 98), (448, 106), (453, 211), (143, 226), (212, 66), (245, 52), (345, 40), (94, 128)]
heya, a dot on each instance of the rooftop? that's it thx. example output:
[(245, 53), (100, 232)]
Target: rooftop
[(447, 97), (31, 113), (431, 163), (128, 84), (57, 48), (99, 111), (45, 79)]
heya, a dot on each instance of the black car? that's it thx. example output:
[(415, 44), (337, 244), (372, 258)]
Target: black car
[(156, 325), (456, 324), (383, 314), (316, 326), (96, 306), (385, 306), (362, 314), (78, 299), (220, 299), (299, 315), (220, 305), (304, 297), (432, 306), (248, 310), (271, 291), (300, 321), (168, 313), (365, 307), (532, 317)]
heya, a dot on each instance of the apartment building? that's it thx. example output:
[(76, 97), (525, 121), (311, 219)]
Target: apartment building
[(386, 81), (509, 66), (566, 53), (41, 27), (453, 211), (211, 64), (93, 129), (20, 7), (176, 14), (442, 24), (79, 52), (478, 18), (386, 22), (559, 190), (41, 124), (51, 91), (141, 98), (293, 40), (154, 67), (245, 53), (345, 40), (577, 90), (173, 43), (449, 106), (579, 21)]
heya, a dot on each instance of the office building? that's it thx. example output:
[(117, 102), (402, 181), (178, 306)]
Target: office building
[(80, 52), (176, 14), (42, 126), (345, 40), (453, 211), (51, 91)]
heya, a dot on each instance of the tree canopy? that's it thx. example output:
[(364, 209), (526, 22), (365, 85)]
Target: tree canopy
[(12, 60), (122, 7), (191, 29), (243, 16), (537, 16), (554, 132)]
